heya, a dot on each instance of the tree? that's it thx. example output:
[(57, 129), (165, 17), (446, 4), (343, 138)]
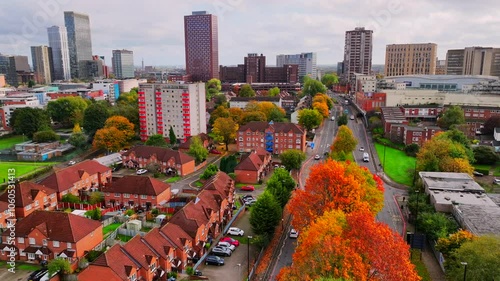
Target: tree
[(28, 120), (335, 185), (227, 164), (310, 118), (31, 84), (329, 80), (122, 124), (280, 193), (482, 256), (284, 177), (312, 87), (490, 125), (485, 155), (60, 266), (67, 111), (448, 245), (213, 87), (197, 150), (265, 215), (96, 197), (342, 120), (171, 136), (237, 114), (412, 149), (436, 225), (344, 142), (225, 128), (253, 116), (78, 140), (323, 98), (277, 114), (94, 117), (454, 115), (322, 108), (220, 99), (110, 139), (130, 98), (292, 159), (94, 214), (156, 140), (129, 111), (246, 91), (45, 136), (70, 198), (209, 172), (220, 111), (273, 92)]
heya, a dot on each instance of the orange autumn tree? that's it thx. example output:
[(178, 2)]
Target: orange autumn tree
[(350, 246)]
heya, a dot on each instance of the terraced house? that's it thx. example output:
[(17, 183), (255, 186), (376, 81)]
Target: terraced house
[(30, 197)]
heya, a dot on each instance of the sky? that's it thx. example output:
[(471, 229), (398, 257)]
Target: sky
[(154, 29)]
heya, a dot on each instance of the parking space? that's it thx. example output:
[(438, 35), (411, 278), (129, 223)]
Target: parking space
[(19, 275)]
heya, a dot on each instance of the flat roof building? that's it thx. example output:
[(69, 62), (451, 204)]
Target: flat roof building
[(404, 59)]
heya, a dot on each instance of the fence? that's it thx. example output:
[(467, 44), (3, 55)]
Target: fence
[(79, 206), (130, 232), (437, 254)]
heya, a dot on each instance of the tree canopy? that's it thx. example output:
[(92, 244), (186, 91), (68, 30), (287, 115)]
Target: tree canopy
[(156, 140), (265, 215), (273, 92), (310, 118), (94, 117), (197, 150), (171, 136), (312, 87), (213, 87), (225, 129), (292, 159), (246, 91), (329, 80), (344, 142), (28, 120), (67, 111), (453, 115)]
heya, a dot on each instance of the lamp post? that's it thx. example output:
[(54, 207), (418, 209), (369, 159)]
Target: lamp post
[(283, 224), (249, 238), (415, 173), (416, 212), (383, 167), (465, 270)]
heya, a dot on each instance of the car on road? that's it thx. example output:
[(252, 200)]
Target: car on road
[(352, 117), (477, 174), (230, 241), (361, 149), (141, 171), (235, 231), (496, 181), (317, 157), (247, 188), (72, 162), (227, 245), (221, 251), (215, 151), (214, 260), (294, 233)]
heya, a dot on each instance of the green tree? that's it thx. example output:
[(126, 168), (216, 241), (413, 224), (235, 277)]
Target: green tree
[(156, 140), (225, 129), (212, 87), (246, 91), (228, 163), (96, 197), (253, 116), (276, 115), (45, 136), (78, 140), (67, 111), (70, 198), (485, 155), (273, 92), (284, 177), (436, 225), (28, 120), (197, 150), (94, 117), (310, 118), (265, 215), (60, 266), (454, 115), (412, 149), (279, 192), (130, 98), (94, 214), (292, 159), (220, 99), (129, 111), (312, 87), (31, 83), (344, 141), (171, 136), (220, 111), (209, 172), (342, 120), (329, 80)]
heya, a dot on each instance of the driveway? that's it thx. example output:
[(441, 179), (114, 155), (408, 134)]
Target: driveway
[(19, 275)]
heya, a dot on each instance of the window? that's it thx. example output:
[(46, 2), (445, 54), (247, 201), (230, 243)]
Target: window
[(144, 196), (153, 197), (28, 207), (32, 241), (37, 203), (68, 245), (136, 195), (117, 194), (126, 195), (55, 244), (31, 256), (44, 242), (20, 240)]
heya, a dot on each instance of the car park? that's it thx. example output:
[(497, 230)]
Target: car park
[(227, 245), (294, 233), (317, 157), (141, 171), (247, 188), (230, 241), (221, 251), (214, 260), (235, 231)]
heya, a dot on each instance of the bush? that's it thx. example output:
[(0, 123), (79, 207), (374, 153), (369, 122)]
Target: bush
[(45, 136), (93, 255), (172, 274), (129, 212), (70, 198), (232, 175), (189, 270), (412, 149), (155, 211)]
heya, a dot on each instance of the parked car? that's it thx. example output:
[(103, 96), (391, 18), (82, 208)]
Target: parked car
[(477, 174), (247, 196), (227, 245), (333, 118), (214, 260), (294, 233), (141, 171), (249, 201), (235, 231), (72, 162), (215, 151), (247, 188), (230, 240), (221, 251), (496, 181), (38, 274), (317, 157), (352, 117)]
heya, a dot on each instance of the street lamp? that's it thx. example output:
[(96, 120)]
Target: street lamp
[(249, 238), (383, 167), (465, 270), (283, 224)]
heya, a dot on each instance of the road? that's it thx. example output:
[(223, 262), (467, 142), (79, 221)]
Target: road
[(390, 214)]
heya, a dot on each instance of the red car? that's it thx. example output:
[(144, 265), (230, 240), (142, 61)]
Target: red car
[(248, 188), (215, 151), (230, 241)]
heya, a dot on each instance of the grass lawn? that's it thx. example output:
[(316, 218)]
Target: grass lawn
[(239, 185), (7, 143), (123, 238), (21, 168), (27, 266), (420, 266), (173, 179), (110, 228), (198, 184), (397, 164), (496, 172)]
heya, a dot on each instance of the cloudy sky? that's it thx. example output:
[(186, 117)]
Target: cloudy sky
[(154, 29)]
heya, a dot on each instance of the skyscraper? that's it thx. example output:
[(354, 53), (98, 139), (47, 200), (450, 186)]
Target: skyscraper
[(58, 41), (473, 61), (42, 63), (406, 59), (306, 62), (358, 52), (202, 46), (123, 64), (79, 40)]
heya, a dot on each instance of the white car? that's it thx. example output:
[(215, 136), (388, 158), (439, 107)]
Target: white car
[(361, 149), (294, 233), (227, 245), (317, 157), (72, 162), (235, 231), (141, 171), (496, 181)]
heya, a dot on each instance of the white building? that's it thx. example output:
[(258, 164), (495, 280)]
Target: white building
[(180, 106), (110, 89), (58, 41), (306, 61), (365, 83), (126, 85), (446, 83), (14, 102)]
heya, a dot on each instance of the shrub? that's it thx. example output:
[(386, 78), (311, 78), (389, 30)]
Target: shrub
[(189, 270), (70, 198), (155, 211), (412, 149), (232, 175), (129, 212)]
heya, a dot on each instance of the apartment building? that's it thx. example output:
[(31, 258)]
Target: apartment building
[(405, 59), (307, 63), (473, 61), (180, 106), (14, 101), (43, 64), (358, 52), (274, 137)]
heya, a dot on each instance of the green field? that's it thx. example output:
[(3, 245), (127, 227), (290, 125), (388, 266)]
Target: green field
[(21, 168), (9, 142), (173, 179), (110, 228), (397, 164)]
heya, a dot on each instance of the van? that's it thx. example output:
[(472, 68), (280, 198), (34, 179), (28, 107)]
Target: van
[(366, 157)]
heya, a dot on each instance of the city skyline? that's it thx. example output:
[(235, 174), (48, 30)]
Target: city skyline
[(258, 27)]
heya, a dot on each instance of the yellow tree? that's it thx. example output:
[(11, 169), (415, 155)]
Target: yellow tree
[(236, 113), (322, 107), (110, 139), (122, 124), (225, 129), (344, 143)]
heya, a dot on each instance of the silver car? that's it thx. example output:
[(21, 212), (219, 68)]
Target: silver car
[(221, 251)]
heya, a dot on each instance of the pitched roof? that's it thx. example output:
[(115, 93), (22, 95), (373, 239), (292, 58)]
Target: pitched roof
[(220, 182), (4, 206), (256, 98), (277, 127), (57, 226), (252, 162), (156, 240), (25, 192), (176, 234), (63, 179), (188, 224), (139, 251), (203, 137), (162, 154), (98, 273), (137, 185), (118, 260)]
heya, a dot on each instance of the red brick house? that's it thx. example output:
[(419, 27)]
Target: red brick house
[(5, 214), (137, 191), (30, 196), (274, 137), (114, 264), (168, 160), (205, 140), (370, 101), (165, 249), (77, 179), (45, 235), (253, 167), (183, 244), (145, 256)]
